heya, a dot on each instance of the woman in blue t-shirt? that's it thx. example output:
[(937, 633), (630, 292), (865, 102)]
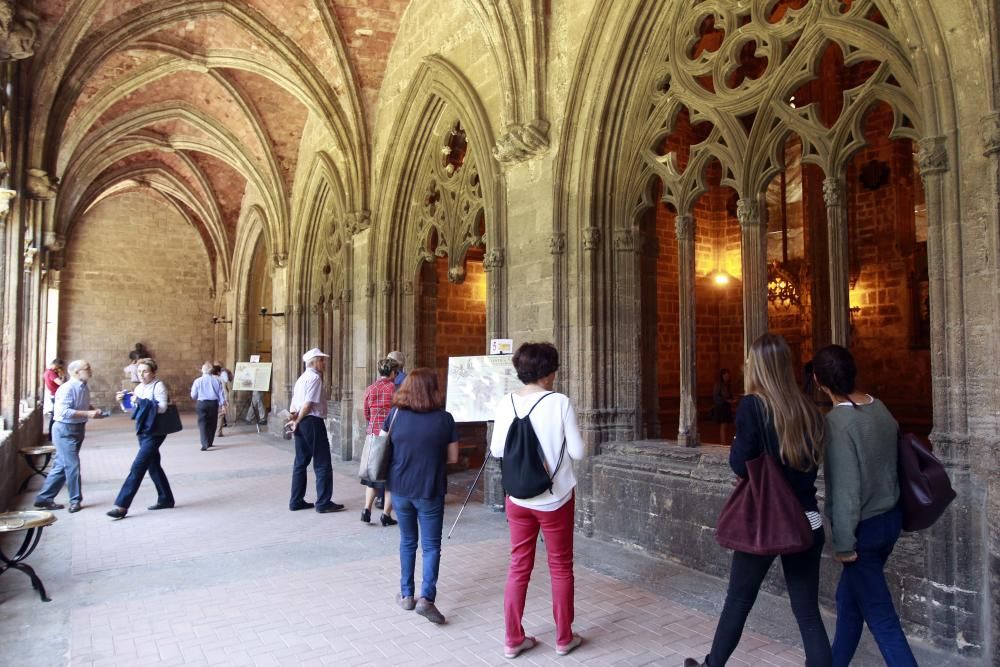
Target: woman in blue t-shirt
[(424, 441)]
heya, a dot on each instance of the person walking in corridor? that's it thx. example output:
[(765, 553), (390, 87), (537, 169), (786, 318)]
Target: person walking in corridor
[(71, 410), (862, 496), (308, 425), (148, 400), (776, 419), (424, 441), (553, 420), (210, 399), (378, 402)]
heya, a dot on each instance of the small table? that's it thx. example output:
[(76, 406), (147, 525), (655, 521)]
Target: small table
[(31, 456), (32, 522)]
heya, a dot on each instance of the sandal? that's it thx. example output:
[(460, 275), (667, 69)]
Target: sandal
[(514, 651)]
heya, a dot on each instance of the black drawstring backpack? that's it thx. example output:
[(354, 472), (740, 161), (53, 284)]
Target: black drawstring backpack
[(524, 473)]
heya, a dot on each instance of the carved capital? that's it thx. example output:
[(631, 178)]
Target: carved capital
[(357, 221), (346, 295), (625, 240), (456, 274), (53, 242), (18, 31), (370, 290), (280, 260), (39, 185), (991, 133), (522, 141), (684, 227), (833, 192), (557, 244), (29, 258), (6, 196), (493, 260), (748, 212), (932, 156), (591, 238), (408, 289), (385, 287)]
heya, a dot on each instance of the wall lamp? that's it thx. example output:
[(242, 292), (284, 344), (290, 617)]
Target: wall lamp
[(219, 320), (264, 313)]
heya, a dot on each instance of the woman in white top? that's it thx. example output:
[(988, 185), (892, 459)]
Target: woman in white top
[(148, 395), (554, 423)]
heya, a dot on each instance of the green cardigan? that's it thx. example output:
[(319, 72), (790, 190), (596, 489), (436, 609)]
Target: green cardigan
[(860, 468)]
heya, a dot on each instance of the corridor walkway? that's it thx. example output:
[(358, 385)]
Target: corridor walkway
[(231, 577)]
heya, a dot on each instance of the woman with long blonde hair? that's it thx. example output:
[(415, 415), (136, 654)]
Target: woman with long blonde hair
[(776, 419)]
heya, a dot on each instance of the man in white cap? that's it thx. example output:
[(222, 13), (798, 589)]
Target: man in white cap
[(308, 424)]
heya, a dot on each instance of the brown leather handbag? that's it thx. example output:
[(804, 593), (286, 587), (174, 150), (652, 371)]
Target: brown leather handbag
[(924, 488), (762, 515)]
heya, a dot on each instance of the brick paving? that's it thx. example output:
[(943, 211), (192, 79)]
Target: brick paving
[(231, 577)]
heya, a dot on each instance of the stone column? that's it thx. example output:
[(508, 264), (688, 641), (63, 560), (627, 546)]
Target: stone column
[(687, 428), (932, 159), (628, 378), (753, 233), (836, 230)]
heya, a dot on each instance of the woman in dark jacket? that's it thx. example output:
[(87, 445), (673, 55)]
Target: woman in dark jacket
[(424, 440), (862, 492), (776, 419)]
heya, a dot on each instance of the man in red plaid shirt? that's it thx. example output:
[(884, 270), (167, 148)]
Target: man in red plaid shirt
[(378, 402)]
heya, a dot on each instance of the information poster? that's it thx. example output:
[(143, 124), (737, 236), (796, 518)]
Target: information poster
[(475, 384), (252, 377)]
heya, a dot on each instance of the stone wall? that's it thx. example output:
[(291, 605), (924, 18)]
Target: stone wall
[(665, 500), (136, 272)]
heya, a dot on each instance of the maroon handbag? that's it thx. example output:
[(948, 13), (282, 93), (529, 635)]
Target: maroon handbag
[(762, 515), (924, 488)]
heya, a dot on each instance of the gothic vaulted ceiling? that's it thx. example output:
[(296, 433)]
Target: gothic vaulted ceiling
[(203, 101)]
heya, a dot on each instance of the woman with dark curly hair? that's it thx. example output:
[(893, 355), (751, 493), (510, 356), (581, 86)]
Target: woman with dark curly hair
[(862, 492), (554, 422)]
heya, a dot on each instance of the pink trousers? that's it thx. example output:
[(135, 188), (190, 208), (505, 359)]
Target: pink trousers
[(557, 529)]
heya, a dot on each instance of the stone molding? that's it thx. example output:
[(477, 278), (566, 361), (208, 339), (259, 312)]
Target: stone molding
[(748, 212), (932, 156), (684, 227), (522, 141), (991, 133), (591, 238), (408, 288), (494, 259), (357, 222), (18, 31), (39, 185), (279, 259), (557, 244), (625, 240), (833, 192)]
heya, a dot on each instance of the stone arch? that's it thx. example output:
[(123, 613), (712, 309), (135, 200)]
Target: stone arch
[(438, 95), (592, 160), (105, 147), (175, 191), (252, 230), (61, 84)]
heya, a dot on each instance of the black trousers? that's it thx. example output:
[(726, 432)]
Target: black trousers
[(208, 419), (802, 580)]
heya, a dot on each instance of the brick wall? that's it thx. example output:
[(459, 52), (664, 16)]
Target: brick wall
[(136, 272), (453, 321)]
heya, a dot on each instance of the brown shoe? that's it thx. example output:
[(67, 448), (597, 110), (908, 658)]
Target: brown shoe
[(48, 505), (407, 603), (427, 609)]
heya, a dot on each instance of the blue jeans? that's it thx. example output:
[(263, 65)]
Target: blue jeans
[(311, 444), (863, 596), (429, 514), (148, 459), (68, 438), (802, 581)]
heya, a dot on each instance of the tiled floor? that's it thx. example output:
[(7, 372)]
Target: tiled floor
[(231, 577)]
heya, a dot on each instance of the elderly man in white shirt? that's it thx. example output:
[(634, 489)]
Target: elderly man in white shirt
[(72, 409), (308, 424)]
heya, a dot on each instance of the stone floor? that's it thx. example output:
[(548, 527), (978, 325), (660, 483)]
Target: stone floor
[(231, 577)]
